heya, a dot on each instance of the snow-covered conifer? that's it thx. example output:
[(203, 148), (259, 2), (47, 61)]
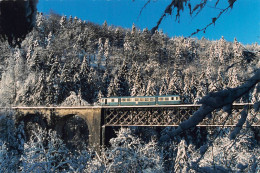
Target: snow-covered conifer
[(237, 48), (111, 89), (133, 31), (127, 43), (105, 24), (100, 96), (63, 20), (70, 19), (105, 82), (107, 51), (137, 89), (100, 52), (181, 164), (49, 39), (165, 84), (8, 88), (39, 20), (40, 90), (151, 88), (53, 82), (122, 79)]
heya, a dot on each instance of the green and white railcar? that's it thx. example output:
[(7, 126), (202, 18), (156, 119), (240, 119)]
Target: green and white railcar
[(141, 100)]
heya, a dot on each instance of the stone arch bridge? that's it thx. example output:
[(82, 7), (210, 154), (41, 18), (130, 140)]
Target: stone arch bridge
[(98, 118)]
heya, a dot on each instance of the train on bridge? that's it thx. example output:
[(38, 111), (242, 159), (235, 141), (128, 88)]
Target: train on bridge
[(141, 100)]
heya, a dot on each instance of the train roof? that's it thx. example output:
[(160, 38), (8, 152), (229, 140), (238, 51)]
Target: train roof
[(140, 96)]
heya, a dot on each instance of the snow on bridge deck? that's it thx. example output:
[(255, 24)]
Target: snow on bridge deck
[(100, 107)]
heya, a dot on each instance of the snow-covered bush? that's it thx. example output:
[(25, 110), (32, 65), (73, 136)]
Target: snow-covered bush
[(129, 154), (239, 154), (11, 142), (9, 159), (74, 100), (44, 152)]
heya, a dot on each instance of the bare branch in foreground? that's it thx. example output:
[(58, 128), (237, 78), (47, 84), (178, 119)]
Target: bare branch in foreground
[(179, 5), (215, 101), (143, 8), (214, 19)]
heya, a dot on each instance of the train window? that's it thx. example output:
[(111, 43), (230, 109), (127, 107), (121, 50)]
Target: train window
[(142, 99), (147, 99), (136, 99), (151, 99), (160, 99), (166, 98), (102, 100), (123, 100), (128, 99), (112, 100), (178, 98)]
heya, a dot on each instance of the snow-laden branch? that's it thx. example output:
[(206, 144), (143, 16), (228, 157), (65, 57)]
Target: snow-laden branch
[(215, 101)]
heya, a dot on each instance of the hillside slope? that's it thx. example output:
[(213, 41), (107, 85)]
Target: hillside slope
[(63, 54)]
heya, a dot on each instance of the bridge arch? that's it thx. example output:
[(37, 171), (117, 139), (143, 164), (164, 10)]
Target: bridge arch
[(58, 117), (32, 121), (74, 130)]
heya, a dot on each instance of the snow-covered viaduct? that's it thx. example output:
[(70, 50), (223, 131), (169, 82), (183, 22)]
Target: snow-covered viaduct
[(96, 120)]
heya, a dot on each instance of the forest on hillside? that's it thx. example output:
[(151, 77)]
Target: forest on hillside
[(65, 61), (65, 55)]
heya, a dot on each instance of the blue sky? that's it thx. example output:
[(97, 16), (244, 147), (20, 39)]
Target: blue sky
[(242, 22)]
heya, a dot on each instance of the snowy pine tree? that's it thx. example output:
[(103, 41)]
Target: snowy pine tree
[(181, 164)]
